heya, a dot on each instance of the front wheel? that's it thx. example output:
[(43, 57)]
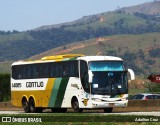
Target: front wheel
[(75, 106), (108, 110)]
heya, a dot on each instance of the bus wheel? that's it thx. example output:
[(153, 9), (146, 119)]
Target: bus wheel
[(75, 105), (25, 105), (108, 110), (32, 105)]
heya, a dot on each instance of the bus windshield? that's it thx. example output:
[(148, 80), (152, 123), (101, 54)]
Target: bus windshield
[(108, 78)]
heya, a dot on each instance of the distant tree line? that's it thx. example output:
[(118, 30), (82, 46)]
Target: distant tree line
[(147, 17), (8, 32)]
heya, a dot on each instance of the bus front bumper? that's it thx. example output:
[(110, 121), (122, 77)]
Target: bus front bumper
[(104, 104)]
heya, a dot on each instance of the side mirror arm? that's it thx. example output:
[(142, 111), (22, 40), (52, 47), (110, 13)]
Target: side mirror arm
[(90, 76), (131, 74)]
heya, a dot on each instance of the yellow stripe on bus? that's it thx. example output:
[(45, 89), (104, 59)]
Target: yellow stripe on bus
[(47, 92)]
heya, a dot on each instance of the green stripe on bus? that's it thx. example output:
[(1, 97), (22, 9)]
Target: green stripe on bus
[(62, 88), (61, 92), (54, 92)]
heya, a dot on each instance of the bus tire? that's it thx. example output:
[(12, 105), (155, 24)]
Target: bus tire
[(32, 105), (75, 105), (107, 110), (25, 105)]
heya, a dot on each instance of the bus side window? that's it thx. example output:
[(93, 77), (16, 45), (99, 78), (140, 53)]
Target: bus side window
[(20, 72), (34, 71), (73, 69), (29, 73), (65, 69), (14, 72)]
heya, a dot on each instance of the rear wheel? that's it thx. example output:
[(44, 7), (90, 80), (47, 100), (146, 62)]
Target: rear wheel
[(75, 105), (32, 105), (25, 105), (108, 110)]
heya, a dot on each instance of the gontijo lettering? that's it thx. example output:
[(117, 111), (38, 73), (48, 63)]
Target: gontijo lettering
[(34, 84)]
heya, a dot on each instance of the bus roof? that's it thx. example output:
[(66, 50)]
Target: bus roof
[(99, 58), (61, 56), (68, 56), (48, 59)]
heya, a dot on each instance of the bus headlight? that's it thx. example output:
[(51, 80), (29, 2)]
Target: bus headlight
[(124, 99)]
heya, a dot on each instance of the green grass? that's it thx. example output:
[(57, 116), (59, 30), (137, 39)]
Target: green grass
[(76, 118)]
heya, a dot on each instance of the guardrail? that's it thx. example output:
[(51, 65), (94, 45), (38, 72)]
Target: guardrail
[(140, 105), (8, 106)]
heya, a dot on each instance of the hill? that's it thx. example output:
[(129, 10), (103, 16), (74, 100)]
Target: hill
[(151, 8), (22, 45), (140, 52)]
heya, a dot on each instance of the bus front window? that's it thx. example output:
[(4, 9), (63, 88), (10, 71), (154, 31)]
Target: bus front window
[(108, 78)]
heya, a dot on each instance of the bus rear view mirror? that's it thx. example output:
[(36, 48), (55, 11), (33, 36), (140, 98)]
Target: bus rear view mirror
[(132, 75), (90, 76)]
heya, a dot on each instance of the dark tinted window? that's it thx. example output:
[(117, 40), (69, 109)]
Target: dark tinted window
[(150, 97), (153, 97), (46, 70), (140, 96), (84, 75), (157, 97), (133, 97), (137, 97)]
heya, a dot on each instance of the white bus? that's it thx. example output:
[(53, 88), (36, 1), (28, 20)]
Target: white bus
[(70, 81)]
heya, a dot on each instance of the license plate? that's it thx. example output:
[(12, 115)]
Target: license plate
[(111, 104)]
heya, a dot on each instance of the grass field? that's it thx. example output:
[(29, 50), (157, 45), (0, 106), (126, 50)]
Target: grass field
[(76, 118)]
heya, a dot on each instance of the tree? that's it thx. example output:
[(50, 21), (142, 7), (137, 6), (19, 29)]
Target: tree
[(4, 87)]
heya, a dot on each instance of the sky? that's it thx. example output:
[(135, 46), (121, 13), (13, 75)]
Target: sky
[(25, 15)]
